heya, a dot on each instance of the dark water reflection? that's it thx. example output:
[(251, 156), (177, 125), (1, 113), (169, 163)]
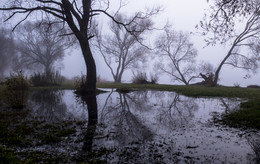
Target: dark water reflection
[(147, 127), (91, 102), (48, 104)]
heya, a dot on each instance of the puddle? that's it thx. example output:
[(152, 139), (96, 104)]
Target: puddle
[(146, 127)]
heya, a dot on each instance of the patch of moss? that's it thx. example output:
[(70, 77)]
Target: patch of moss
[(3, 129), (51, 138), (24, 129), (41, 157), (7, 156), (53, 133), (66, 132), (12, 137)]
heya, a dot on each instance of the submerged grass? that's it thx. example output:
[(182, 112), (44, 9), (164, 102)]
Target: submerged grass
[(7, 156), (18, 129), (247, 116)]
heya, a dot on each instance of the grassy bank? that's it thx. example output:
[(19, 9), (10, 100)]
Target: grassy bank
[(194, 91), (249, 115)]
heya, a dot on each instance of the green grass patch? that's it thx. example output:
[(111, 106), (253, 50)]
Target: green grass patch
[(8, 157), (194, 90), (247, 116)]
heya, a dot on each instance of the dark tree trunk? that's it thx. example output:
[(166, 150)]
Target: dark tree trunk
[(82, 35), (208, 80), (90, 85), (117, 80), (216, 76)]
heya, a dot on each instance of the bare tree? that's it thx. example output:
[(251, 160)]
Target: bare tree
[(40, 47), (230, 10), (79, 16), (179, 55), (7, 51), (248, 39), (121, 50)]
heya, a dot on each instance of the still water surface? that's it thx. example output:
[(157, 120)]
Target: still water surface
[(146, 127)]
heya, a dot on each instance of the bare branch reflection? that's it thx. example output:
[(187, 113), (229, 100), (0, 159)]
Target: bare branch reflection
[(254, 142), (128, 127), (48, 105), (177, 111)]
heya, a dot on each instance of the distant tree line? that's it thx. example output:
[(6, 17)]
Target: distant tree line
[(35, 48)]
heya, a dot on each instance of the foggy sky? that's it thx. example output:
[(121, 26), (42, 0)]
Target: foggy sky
[(183, 15)]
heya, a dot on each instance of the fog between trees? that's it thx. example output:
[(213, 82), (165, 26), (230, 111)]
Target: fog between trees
[(221, 22)]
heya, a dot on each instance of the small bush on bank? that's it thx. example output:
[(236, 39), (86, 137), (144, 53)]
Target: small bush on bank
[(154, 79), (236, 85), (47, 79), (16, 90), (17, 82), (141, 78), (80, 83)]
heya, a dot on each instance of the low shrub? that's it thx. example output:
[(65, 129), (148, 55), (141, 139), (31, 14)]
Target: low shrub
[(80, 84), (16, 90), (236, 85), (47, 79), (154, 79), (17, 82), (141, 78)]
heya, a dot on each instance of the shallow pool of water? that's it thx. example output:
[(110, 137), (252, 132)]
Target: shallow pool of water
[(146, 127)]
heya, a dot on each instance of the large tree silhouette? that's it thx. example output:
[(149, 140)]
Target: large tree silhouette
[(40, 47), (79, 16), (222, 23), (179, 54)]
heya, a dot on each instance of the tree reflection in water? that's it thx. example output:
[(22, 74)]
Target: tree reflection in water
[(254, 142), (127, 130), (126, 134), (128, 126), (48, 105), (177, 111), (126, 121), (150, 126), (91, 101), (170, 109)]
